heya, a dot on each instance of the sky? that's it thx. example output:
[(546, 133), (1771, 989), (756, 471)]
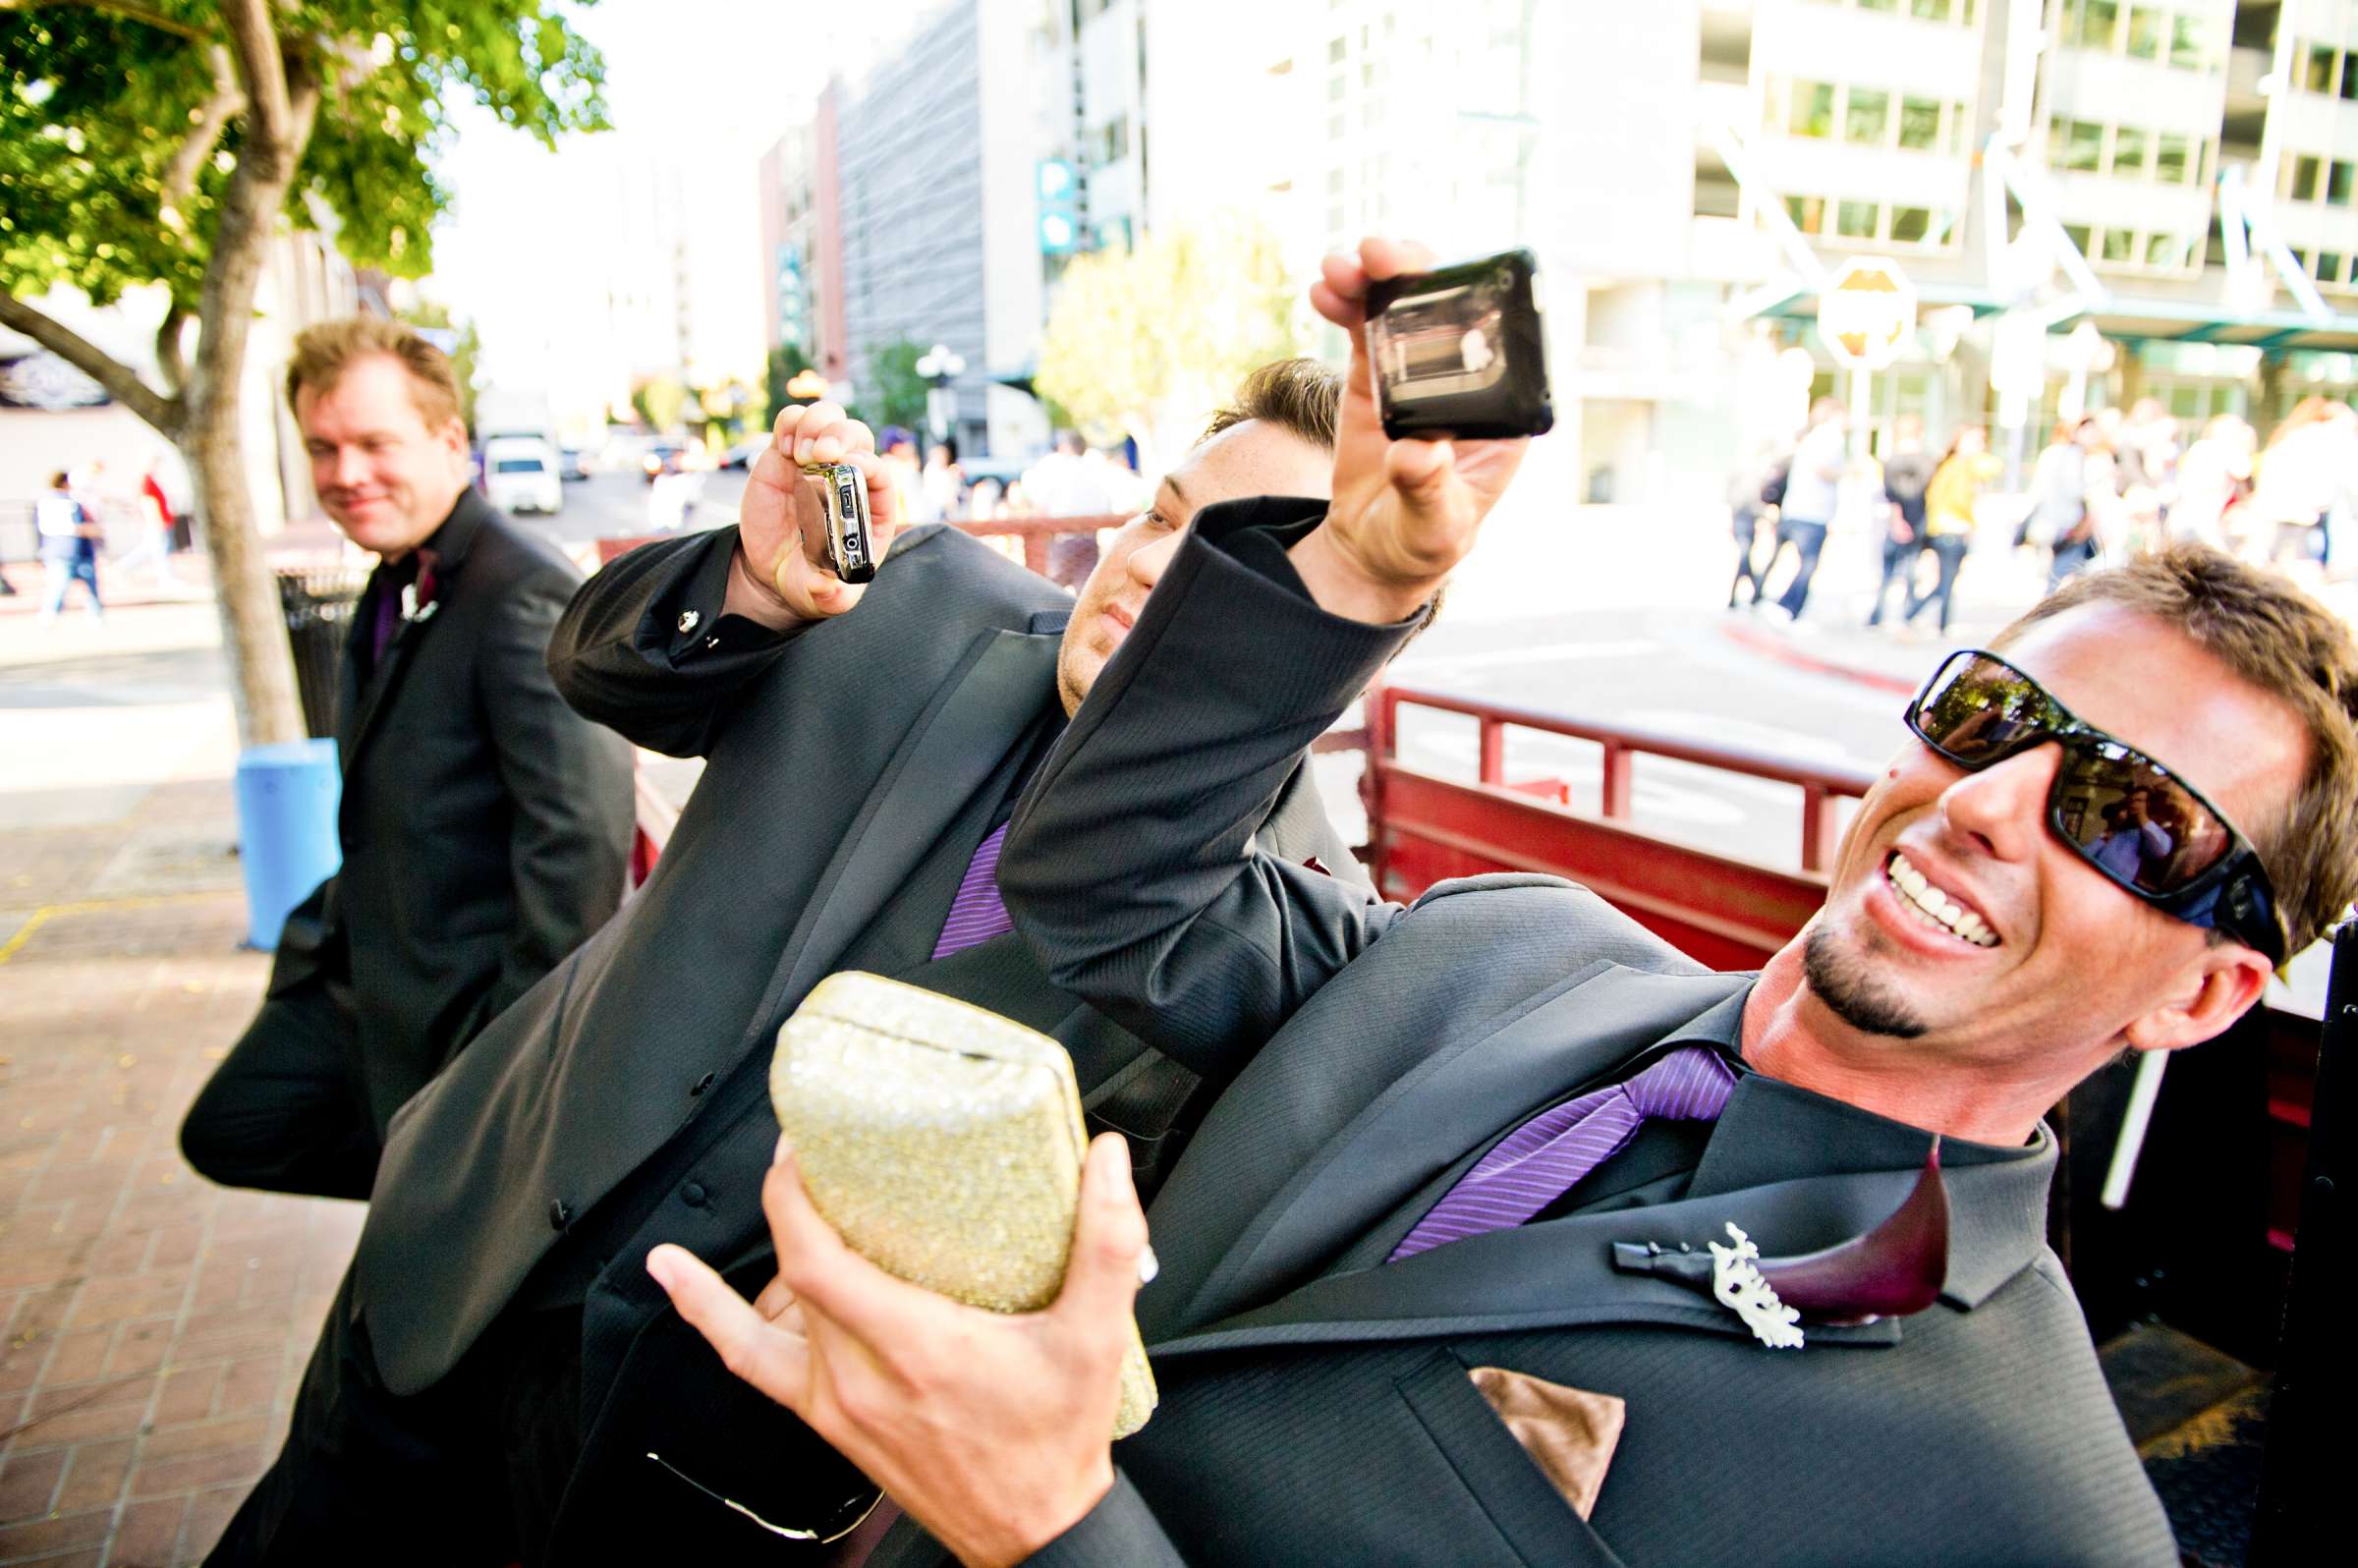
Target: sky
[(697, 91)]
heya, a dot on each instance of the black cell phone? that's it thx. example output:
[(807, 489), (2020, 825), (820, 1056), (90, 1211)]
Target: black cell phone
[(851, 535), (1461, 351)]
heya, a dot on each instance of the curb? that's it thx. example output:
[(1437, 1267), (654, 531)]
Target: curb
[(1757, 641)]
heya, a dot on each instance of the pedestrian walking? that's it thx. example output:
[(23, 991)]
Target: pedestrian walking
[(2214, 472), (1965, 471), (1753, 497), (2061, 486), (1810, 489), (69, 547), (154, 542), (1907, 470), (2308, 468)]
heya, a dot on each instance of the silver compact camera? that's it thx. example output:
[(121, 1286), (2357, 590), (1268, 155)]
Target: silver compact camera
[(851, 534), (1461, 351)]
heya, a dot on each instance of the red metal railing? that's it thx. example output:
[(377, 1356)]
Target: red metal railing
[(1728, 913)]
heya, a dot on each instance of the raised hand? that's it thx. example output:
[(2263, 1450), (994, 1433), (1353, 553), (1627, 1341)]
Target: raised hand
[(992, 1430), (1404, 512), (781, 576)]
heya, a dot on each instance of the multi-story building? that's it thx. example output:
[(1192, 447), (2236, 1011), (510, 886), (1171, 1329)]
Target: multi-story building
[(934, 155), (801, 245)]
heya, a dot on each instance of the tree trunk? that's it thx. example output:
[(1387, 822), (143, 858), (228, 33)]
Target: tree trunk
[(253, 628)]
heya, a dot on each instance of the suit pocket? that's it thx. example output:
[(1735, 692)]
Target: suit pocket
[(1524, 1506)]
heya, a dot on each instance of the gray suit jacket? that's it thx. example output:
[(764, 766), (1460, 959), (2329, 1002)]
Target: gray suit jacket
[(1318, 1403), (852, 768)]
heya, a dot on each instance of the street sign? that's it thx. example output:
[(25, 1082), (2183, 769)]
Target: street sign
[(1867, 313)]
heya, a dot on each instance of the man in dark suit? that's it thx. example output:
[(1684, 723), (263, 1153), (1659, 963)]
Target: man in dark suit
[(486, 826), (1420, 1296), (498, 1345)]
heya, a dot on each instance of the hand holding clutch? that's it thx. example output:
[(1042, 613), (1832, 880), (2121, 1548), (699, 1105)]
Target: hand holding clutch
[(990, 1428)]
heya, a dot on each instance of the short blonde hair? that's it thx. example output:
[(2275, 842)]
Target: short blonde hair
[(323, 353), (1301, 397), (2276, 638)]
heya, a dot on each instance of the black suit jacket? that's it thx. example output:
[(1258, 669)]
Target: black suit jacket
[(486, 826), (852, 767), (1318, 1403)]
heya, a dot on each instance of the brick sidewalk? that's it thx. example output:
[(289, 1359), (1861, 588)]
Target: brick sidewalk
[(155, 1325)]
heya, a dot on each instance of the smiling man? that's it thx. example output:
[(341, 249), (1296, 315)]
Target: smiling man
[(486, 826), (498, 1347), (1436, 1277)]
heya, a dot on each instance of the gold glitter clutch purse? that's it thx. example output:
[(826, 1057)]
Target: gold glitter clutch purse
[(946, 1143)]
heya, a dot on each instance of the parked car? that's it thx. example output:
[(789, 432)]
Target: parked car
[(520, 474), (572, 464), (742, 455)]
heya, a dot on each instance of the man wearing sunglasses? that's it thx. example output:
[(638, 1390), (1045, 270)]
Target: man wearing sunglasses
[(1435, 1282)]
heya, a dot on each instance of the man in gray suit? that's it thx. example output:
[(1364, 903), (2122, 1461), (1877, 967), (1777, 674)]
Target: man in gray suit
[(1420, 1296), (864, 749)]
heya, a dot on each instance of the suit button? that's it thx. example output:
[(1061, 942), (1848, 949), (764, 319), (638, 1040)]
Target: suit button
[(693, 1195), (700, 1085), (560, 1214)]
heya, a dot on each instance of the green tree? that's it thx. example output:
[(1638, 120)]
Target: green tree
[(466, 345), (661, 402), (1144, 343), (166, 142), (896, 393)]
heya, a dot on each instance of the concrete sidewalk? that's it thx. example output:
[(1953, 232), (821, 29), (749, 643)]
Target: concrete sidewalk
[(155, 1325)]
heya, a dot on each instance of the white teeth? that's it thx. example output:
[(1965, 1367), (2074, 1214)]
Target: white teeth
[(1935, 907)]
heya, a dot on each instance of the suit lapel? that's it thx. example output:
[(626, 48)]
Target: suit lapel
[(1383, 1148), (1560, 1274), (955, 746)]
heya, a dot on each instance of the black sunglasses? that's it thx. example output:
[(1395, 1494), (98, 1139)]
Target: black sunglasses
[(2126, 815)]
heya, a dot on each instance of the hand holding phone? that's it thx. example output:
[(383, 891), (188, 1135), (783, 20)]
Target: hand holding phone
[(807, 548), (1461, 351)]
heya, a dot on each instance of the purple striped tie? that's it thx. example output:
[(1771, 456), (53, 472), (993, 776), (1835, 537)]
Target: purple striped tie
[(975, 913), (1540, 1161)]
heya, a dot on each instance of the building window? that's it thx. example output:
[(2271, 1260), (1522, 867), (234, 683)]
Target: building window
[(2319, 77), (1866, 118), (1812, 109), (2080, 236), (2349, 77), (2128, 153), (1855, 220), (2083, 145), (1807, 213), (2121, 245), (2142, 30), (2188, 50), (1334, 51), (2305, 179), (1920, 122), (2329, 267), (2091, 24), (1910, 225)]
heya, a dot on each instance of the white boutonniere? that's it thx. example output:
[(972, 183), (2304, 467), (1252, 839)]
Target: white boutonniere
[(419, 599), (1737, 1284)]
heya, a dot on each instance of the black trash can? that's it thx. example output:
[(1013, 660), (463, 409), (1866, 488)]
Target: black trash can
[(319, 603)]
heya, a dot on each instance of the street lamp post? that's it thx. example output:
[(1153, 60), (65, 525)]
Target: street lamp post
[(939, 368)]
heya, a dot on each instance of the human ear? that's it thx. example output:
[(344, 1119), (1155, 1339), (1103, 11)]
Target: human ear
[(2222, 986)]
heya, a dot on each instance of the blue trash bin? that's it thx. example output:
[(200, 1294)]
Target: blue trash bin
[(287, 798)]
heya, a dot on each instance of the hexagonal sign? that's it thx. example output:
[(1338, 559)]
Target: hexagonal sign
[(1867, 311)]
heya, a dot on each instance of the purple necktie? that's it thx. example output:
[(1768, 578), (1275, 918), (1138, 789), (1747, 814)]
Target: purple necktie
[(391, 578), (977, 914), (1540, 1161)]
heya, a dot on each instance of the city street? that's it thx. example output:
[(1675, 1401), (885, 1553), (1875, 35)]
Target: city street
[(616, 504)]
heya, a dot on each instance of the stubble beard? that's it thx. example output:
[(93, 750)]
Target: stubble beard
[(1845, 983)]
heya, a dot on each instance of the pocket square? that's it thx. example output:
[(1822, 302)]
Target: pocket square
[(1570, 1434)]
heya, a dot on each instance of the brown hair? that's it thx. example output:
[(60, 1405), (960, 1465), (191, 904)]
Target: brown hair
[(1301, 397), (323, 353), (2277, 639)]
